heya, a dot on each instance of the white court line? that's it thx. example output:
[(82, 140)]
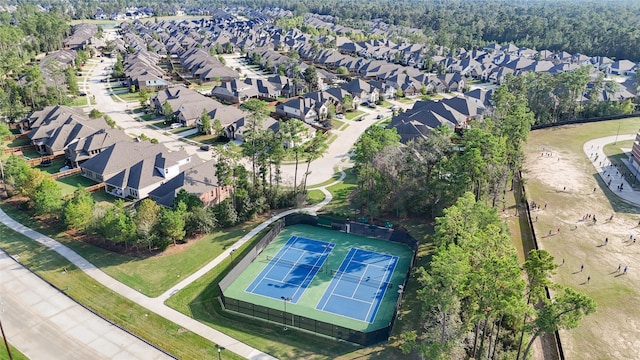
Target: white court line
[(335, 284), (388, 277), (295, 265), (352, 298), (310, 271), (270, 266)]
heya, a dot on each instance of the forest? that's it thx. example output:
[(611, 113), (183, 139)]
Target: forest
[(607, 28)]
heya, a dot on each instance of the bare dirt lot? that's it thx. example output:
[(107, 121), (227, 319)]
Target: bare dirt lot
[(561, 179)]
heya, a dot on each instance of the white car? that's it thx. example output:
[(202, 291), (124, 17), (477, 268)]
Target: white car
[(339, 116), (176, 125)]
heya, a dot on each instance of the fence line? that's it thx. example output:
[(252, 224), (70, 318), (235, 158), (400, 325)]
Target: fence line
[(558, 343), (301, 322)]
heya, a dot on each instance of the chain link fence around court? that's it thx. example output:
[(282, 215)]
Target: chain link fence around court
[(302, 322), (243, 263)]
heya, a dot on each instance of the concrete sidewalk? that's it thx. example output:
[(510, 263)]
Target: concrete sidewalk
[(593, 149), (44, 323)]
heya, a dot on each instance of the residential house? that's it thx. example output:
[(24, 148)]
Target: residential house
[(199, 180), (54, 128), (92, 145), (189, 112), (80, 37), (175, 97), (300, 108), (362, 90), (425, 116), (622, 67), (340, 95), (136, 176)]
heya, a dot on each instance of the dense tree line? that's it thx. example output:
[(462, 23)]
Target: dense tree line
[(607, 28), (24, 34), (569, 95), (476, 302)]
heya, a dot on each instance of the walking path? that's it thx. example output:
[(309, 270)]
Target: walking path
[(610, 174), (157, 304), (43, 323)]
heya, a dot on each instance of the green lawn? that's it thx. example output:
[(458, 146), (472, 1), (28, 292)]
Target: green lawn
[(69, 184), (385, 103), (337, 124), (54, 167), (23, 141), (351, 115), (340, 205), (207, 139), (79, 101), (130, 97), (148, 117), (31, 154), (405, 100), (15, 353), (314, 196), (48, 264), (142, 273)]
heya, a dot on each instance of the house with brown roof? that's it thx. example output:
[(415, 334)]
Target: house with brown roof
[(92, 145), (128, 176), (361, 89), (199, 180), (54, 128)]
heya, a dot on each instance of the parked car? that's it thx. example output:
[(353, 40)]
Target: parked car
[(380, 116), (205, 147), (46, 163), (372, 105), (176, 125), (339, 116), (395, 107)]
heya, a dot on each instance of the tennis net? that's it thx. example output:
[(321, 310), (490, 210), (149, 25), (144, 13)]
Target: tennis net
[(281, 261), (364, 280)]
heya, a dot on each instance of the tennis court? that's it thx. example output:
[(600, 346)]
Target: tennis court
[(288, 274), (359, 285), (323, 281)]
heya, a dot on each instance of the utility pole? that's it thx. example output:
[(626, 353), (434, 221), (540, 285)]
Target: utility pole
[(6, 344)]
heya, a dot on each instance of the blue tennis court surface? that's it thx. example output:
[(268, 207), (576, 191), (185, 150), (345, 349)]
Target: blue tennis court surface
[(289, 273), (359, 285)]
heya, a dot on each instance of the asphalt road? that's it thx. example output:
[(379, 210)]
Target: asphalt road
[(44, 323)]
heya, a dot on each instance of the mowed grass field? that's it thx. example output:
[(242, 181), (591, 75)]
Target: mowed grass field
[(562, 184)]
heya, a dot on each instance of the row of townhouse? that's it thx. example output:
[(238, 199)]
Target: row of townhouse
[(129, 168)]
